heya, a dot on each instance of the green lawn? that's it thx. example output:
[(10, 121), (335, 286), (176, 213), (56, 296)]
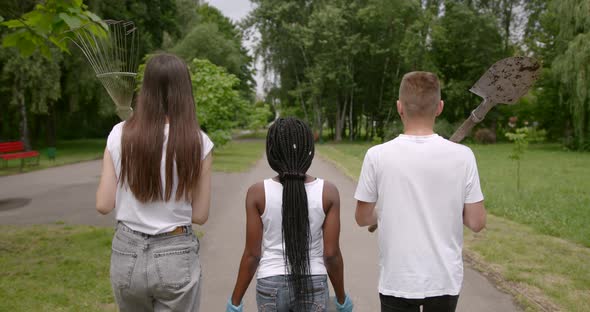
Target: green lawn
[(55, 268), (554, 202), (233, 157), (237, 156)]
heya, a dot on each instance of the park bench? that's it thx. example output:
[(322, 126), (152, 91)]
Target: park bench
[(16, 150)]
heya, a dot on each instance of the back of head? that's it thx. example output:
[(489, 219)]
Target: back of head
[(166, 93), (290, 151), (419, 93)]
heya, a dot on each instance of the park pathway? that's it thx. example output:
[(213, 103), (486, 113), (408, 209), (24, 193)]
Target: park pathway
[(67, 194)]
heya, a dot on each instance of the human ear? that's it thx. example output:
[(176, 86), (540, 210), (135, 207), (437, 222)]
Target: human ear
[(440, 108), (400, 108)]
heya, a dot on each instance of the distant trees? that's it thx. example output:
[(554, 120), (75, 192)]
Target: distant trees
[(338, 63), (61, 98)]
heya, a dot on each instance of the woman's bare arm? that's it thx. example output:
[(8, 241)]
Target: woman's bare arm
[(332, 255), (107, 188), (202, 193), (251, 257)]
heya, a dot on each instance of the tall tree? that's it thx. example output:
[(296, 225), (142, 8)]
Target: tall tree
[(572, 66), (464, 44)]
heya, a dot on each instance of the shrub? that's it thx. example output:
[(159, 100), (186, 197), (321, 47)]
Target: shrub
[(485, 136)]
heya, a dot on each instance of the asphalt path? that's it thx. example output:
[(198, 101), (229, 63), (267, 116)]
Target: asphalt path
[(66, 194)]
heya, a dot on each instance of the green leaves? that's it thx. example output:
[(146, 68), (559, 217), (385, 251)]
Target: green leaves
[(72, 20), (46, 26)]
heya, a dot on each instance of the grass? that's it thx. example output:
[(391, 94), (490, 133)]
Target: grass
[(66, 268), (55, 268), (539, 241), (235, 156), (68, 152)]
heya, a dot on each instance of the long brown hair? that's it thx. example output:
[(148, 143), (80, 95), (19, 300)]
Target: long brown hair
[(166, 92)]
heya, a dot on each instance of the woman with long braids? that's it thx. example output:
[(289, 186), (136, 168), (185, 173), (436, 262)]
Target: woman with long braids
[(156, 176), (292, 230)]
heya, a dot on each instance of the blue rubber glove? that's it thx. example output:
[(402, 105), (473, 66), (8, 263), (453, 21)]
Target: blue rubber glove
[(232, 308), (346, 306)]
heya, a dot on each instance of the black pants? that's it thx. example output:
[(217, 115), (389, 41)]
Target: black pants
[(430, 304)]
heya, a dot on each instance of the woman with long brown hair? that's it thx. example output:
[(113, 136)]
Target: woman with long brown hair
[(156, 176)]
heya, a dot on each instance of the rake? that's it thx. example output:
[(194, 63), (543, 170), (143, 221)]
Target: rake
[(111, 48)]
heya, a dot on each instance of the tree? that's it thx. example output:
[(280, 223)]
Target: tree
[(219, 106), (572, 66), (34, 83), (47, 25), (464, 44), (36, 33)]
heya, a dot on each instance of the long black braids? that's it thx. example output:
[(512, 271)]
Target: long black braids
[(290, 150)]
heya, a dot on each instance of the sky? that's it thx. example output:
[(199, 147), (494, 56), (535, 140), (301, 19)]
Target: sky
[(236, 10)]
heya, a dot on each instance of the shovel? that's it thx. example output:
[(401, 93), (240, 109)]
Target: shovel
[(505, 82)]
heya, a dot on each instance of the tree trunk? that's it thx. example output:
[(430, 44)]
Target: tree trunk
[(340, 118), (51, 126), (24, 125), (507, 22), (350, 122)]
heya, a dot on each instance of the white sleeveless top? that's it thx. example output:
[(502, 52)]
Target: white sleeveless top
[(272, 262), (152, 217)]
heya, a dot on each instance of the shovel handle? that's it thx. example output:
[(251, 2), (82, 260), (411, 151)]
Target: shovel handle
[(462, 132)]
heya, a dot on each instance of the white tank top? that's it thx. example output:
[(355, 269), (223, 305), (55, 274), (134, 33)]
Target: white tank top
[(272, 262), (153, 217)]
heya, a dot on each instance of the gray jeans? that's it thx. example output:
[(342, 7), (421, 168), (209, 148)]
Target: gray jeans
[(273, 294), (155, 273)]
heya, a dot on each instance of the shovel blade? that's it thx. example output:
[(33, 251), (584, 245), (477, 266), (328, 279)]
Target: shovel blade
[(508, 80)]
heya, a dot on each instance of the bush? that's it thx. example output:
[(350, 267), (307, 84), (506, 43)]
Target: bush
[(485, 136), (444, 128)]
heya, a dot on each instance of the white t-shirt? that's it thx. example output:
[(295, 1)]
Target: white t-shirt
[(272, 262), (152, 217), (420, 185)]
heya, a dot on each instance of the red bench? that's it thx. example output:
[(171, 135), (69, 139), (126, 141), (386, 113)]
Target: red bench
[(16, 150)]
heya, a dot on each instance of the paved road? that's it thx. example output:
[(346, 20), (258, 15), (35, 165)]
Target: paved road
[(67, 194)]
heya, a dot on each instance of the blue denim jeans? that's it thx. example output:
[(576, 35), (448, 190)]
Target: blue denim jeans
[(274, 294), (155, 273)]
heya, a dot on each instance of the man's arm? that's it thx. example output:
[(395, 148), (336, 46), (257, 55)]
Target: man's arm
[(474, 216), (365, 213)]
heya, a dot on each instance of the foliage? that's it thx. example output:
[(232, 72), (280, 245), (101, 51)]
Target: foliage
[(47, 26), (485, 136), (572, 66), (78, 106), (340, 62), (219, 105), (461, 40), (210, 35), (444, 128), (153, 18), (519, 138), (259, 116)]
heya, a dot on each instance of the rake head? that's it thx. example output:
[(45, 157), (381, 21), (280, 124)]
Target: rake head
[(111, 48)]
